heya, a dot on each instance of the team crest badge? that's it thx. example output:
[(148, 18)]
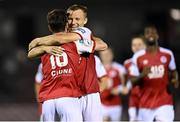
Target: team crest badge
[(163, 59), (112, 74), (145, 62)]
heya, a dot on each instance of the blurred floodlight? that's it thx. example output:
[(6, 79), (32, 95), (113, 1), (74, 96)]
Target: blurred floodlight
[(175, 14)]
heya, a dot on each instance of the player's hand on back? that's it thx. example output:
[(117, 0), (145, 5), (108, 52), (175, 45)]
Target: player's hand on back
[(33, 43), (54, 50)]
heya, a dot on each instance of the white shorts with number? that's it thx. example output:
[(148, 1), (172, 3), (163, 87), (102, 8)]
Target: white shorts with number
[(91, 107), (112, 112), (164, 113), (68, 109)]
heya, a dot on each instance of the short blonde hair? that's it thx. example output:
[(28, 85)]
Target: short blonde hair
[(78, 7)]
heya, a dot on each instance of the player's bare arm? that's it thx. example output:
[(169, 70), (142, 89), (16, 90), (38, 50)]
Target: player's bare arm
[(36, 89), (57, 39), (100, 44), (40, 50), (104, 83), (175, 78), (36, 52), (64, 38), (123, 81)]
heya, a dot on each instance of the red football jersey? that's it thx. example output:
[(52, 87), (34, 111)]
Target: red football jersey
[(59, 73), (114, 73), (154, 91), (88, 79), (135, 91)]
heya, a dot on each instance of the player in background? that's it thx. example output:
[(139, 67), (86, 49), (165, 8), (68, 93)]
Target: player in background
[(152, 66), (111, 102), (59, 90), (137, 43)]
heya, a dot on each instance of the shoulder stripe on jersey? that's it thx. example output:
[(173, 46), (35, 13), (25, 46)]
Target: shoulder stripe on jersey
[(137, 55), (165, 50)]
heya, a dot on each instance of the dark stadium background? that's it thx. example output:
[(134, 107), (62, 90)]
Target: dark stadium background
[(115, 21)]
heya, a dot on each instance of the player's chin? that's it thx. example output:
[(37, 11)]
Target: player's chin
[(74, 28)]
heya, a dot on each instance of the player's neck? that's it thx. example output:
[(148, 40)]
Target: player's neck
[(152, 49), (108, 65), (60, 32)]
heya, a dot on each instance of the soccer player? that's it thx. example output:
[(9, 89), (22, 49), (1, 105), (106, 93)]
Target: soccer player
[(110, 98), (59, 89), (137, 44), (90, 101), (153, 66)]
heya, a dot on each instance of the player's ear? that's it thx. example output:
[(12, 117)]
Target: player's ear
[(49, 28), (86, 20), (157, 36)]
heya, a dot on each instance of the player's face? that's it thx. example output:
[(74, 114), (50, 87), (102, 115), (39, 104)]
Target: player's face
[(137, 44), (151, 36), (76, 19), (106, 56)]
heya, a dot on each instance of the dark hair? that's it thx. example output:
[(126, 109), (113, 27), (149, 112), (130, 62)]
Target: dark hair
[(57, 20), (140, 36), (77, 7)]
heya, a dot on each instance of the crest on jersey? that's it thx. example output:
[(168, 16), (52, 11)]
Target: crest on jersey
[(163, 59), (145, 61), (112, 73)]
